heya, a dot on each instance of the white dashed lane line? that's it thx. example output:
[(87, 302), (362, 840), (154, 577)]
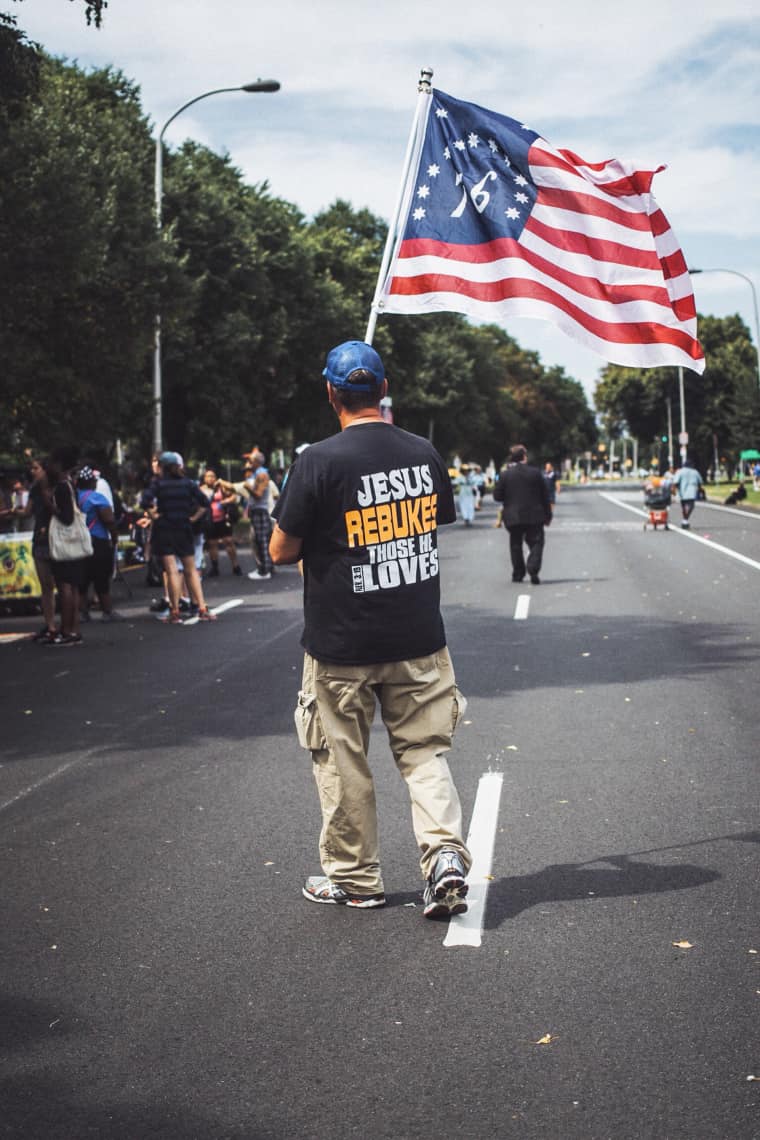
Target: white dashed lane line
[(522, 607)]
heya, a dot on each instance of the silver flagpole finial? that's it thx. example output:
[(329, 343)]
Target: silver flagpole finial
[(424, 85)]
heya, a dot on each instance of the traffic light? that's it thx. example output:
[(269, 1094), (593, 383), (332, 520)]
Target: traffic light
[(664, 438)]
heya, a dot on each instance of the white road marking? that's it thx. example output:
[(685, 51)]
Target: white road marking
[(686, 533), (224, 606), (220, 609), (467, 929), (730, 510), (40, 783), (522, 607)]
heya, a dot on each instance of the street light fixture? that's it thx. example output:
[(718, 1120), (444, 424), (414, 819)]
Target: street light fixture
[(750, 282), (259, 86)]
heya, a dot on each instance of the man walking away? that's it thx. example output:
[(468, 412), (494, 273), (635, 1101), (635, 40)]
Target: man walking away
[(362, 510), (524, 493), (687, 482)]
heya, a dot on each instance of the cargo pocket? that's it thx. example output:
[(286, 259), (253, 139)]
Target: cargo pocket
[(458, 709), (308, 724)]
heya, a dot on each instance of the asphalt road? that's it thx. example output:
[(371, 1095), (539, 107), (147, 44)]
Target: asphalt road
[(163, 977)]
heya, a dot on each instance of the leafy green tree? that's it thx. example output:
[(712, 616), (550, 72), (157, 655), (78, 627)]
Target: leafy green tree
[(80, 259), (722, 405)]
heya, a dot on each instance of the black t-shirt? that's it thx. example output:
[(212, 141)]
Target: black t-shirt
[(176, 497), (367, 504)]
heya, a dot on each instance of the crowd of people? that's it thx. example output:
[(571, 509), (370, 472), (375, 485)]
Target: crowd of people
[(175, 526)]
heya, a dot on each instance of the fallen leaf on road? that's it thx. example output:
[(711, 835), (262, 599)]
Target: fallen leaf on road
[(512, 748), (684, 945), (269, 863), (585, 654), (546, 1039)]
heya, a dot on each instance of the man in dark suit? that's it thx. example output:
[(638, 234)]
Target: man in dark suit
[(527, 510)]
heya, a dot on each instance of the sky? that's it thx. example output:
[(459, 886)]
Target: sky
[(658, 82)]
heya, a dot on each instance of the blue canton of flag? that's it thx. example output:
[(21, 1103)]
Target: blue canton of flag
[(474, 169)]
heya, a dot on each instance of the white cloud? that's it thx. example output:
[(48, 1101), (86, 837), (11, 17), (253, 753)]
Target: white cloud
[(672, 83)]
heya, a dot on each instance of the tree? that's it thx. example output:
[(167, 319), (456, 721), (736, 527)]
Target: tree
[(79, 259), (93, 10), (722, 405)]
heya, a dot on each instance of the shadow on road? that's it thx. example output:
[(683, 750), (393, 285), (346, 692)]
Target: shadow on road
[(564, 882)]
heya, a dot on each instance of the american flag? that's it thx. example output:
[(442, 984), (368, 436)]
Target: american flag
[(497, 223)]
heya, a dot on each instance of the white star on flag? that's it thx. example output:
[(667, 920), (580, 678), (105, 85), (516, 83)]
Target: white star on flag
[(473, 140), (423, 192), (419, 214), (433, 170)]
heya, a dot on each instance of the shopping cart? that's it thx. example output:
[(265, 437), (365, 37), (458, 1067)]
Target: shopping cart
[(657, 501)]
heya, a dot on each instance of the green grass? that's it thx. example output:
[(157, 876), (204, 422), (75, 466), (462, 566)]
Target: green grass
[(717, 493)]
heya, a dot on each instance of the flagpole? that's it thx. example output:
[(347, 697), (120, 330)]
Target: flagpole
[(424, 89)]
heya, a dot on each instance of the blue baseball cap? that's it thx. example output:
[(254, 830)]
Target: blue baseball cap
[(167, 458), (353, 356)]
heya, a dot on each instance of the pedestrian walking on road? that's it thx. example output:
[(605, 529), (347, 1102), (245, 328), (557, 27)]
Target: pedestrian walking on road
[(552, 482), (524, 493), (466, 494), (687, 482), (361, 509)]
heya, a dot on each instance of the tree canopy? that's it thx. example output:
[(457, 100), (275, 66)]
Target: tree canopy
[(251, 294), (722, 407)]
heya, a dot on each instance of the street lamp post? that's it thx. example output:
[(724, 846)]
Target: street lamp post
[(750, 282), (261, 85)]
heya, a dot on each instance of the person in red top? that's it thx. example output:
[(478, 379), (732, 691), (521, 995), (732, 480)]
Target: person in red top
[(219, 529)]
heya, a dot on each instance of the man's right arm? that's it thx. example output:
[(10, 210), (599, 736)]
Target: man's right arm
[(284, 549)]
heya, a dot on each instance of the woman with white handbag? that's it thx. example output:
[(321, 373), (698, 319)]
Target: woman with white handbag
[(70, 544)]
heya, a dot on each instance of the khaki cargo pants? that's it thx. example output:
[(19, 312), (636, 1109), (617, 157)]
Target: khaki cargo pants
[(421, 707)]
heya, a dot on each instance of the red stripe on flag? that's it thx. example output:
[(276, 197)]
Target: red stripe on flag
[(595, 248), (634, 183), (626, 332), (583, 283), (588, 205)]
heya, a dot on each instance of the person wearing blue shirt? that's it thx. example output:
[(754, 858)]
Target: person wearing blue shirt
[(687, 482), (101, 524)]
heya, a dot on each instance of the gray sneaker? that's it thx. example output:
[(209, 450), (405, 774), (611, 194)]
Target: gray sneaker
[(320, 889), (446, 887)]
